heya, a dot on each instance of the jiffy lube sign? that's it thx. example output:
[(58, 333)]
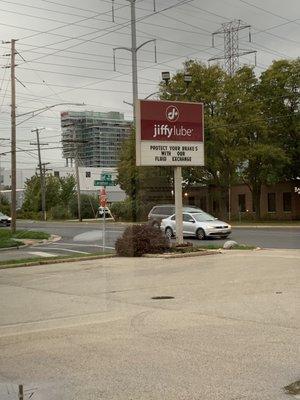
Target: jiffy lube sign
[(169, 133)]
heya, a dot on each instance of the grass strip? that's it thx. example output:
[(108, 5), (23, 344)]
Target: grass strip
[(6, 243), (189, 249), (32, 261), (23, 234), (7, 237)]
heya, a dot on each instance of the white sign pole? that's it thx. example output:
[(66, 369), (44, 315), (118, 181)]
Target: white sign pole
[(178, 204), (103, 232)]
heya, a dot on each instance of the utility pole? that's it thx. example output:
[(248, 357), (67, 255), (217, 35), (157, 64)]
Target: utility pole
[(1, 154), (133, 57), (13, 139), (12, 67), (78, 186), (133, 50), (232, 52), (76, 142), (42, 172)]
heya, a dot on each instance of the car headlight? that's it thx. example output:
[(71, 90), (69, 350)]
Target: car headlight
[(210, 226), (229, 226)]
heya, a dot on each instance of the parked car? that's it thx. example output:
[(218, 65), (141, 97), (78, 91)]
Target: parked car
[(4, 219), (159, 212), (199, 224), (101, 212)]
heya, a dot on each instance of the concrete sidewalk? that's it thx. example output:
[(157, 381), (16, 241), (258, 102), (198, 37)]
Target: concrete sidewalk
[(90, 330)]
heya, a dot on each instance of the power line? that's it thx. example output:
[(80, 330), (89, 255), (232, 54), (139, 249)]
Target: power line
[(76, 75), (267, 11), (86, 88), (117, 28)]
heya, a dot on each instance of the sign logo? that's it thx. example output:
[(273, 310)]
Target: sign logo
[(172, 113)]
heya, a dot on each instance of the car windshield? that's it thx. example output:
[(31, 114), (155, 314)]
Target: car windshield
[(202, 217), (2, 215)]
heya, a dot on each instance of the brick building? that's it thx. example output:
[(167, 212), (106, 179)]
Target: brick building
[(278, 202)]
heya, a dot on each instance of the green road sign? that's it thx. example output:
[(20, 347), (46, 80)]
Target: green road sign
[(104, 183)]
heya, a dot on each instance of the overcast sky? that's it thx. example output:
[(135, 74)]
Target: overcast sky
[(68, 47)]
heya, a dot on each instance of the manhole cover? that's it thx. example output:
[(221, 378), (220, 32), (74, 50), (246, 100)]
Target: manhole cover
[(162, 297)]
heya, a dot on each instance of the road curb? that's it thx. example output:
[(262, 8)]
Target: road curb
[(183, 255)]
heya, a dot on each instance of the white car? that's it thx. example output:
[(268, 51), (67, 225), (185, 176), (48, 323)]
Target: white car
[(4, 219), (199, 224)]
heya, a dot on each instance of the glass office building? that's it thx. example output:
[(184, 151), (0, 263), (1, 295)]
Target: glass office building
[(95, 138)]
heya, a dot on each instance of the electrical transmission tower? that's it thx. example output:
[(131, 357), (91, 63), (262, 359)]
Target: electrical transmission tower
[(232, 52)]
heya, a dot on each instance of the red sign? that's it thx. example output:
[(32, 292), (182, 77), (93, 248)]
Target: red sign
[(171, 121), (169, 133), (102, 198)]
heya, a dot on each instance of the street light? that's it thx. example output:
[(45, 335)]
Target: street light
[(166, 77), (187, 80), (34, 113)]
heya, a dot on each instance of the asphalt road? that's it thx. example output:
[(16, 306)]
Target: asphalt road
[(91, 331), (86, 237)]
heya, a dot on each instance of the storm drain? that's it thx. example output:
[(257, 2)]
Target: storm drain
[(162, 297)]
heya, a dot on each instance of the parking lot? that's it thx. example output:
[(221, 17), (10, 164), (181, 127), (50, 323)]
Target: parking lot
[(230, 329)]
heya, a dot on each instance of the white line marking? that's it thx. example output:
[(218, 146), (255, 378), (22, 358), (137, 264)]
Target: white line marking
[(76, 244), (41, 254), (81, 245), (55, 248)]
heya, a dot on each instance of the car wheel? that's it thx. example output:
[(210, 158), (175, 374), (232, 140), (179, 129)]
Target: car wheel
[(169, 233), (200, 234)]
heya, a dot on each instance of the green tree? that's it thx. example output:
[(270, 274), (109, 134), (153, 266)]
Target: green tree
[(228, 108), (4, 205), (32, 195), (240, 142), (67, 189), (139, 183), (53, 191), (263, 165), (251, 130), (280, 95), (89, 206)]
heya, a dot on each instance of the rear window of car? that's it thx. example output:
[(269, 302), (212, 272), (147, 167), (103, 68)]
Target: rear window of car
[(169, 210), (163, 210)]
